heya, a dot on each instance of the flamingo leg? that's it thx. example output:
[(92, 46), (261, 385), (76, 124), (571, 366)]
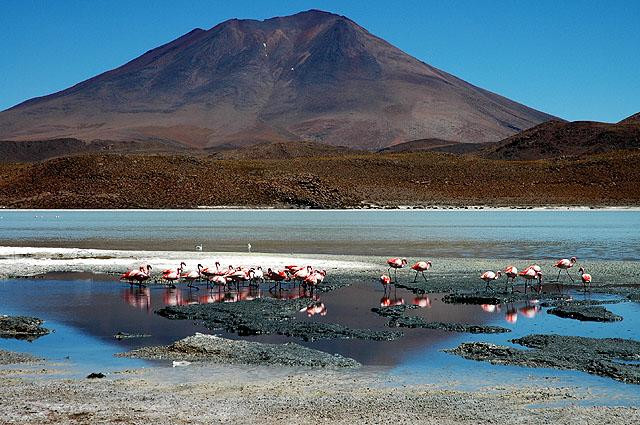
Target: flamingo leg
[(424, 276), (416, 277), (558, 278), (570, 276)]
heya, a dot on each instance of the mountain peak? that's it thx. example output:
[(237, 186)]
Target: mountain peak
[(313, 76)]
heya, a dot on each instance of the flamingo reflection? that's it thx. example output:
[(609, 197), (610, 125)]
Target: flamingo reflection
[(530, 311), (138, 297), (511, 316), (422, 301)]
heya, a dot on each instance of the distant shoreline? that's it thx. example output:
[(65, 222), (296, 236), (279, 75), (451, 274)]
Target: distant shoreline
[(399, 208)]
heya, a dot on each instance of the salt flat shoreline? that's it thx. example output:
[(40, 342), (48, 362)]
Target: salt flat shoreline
[(206, 394), (380, 209)]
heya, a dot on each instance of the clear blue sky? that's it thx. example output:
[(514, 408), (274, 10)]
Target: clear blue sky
[(574, 59)]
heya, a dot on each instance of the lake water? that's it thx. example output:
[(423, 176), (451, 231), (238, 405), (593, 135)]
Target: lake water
[(593, 234), (87, 310)]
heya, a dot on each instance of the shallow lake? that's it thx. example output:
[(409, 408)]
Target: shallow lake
[(592, 234), (87, 310)]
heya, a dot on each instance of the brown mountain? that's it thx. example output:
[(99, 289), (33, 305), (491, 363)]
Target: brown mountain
[(312, 76), (553, 139)]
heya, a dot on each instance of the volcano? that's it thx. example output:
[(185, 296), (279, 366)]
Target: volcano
[(313, 76)]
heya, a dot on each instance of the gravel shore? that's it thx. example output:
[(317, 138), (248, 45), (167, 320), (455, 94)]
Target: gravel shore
[(203, 396)]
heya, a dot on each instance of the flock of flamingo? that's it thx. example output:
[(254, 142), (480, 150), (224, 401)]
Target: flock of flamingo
[(306, 276), (531, 273)]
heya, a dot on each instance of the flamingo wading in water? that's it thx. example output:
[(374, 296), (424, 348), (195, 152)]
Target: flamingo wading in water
[(586, 278), (488, 276), (565, 264), (511, 272), (421, 267), (395, 264)]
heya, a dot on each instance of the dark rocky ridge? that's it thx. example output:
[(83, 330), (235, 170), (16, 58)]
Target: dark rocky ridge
[(312, 76), (585, 313), (597, 356), (269, 316), (554, 139), (221, 350), (22, 327)]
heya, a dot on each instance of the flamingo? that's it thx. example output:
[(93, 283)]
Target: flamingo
[(421, 267), (385, 280), (395, 264), (171, 275), (302, 274), (128, 276), (511, 272), (565, 264), (488, 276), (192, 276), (277, 277), (143, 275), (586, 278), (257, 274), (529, 274)]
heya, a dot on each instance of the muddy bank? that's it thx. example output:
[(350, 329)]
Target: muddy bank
[(22, 327), (211, 348), (598, 356), (398, 319), (570, 302), (585, 313), (11, 357), (269, 316)]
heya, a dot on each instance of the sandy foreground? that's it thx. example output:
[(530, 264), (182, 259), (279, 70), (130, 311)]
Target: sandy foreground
[(203, 394)]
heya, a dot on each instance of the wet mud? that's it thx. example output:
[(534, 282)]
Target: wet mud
[(398, 319), (269, 316), (212, 348), (609, 357), (22, 327), (585, 313)]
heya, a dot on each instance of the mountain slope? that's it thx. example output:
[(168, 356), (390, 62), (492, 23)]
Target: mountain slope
[(311, 76), (555, 138)]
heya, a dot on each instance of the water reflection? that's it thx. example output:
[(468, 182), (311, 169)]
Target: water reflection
[(137, 297), (529, 310)]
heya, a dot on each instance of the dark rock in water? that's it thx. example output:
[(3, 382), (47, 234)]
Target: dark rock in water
[(96, 375), (398, 319), (10, 357), (222, 350), (585, 313), (597, 356), (22, 327), (269, 316), (123, 335)]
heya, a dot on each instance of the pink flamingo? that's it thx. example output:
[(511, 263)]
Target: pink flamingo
[(511, 272), (565, 264), (171, 275), (395, 264), (488, 276), (302, 274), (421, 267), (385, 280), (192, 276), (529, 274), (585, 277), (143, 275)]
